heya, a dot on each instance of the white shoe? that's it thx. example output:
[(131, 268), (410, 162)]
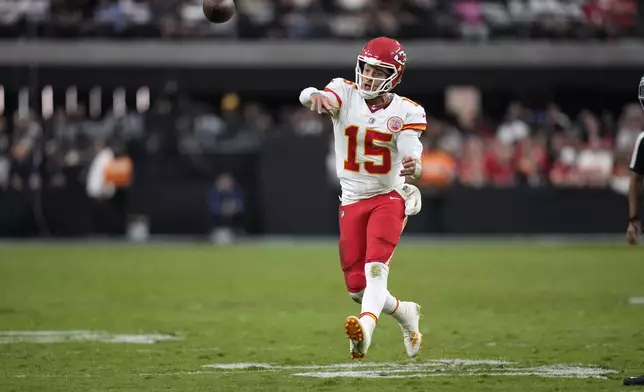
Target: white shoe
[(359, 337), (412, 337)]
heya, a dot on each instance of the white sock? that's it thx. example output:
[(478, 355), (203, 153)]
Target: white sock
[(391, 304), (375, 294), (395, 308)]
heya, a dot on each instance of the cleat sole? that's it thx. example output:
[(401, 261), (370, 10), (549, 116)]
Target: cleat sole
[(354, 332), (353, 329), (358, 356)]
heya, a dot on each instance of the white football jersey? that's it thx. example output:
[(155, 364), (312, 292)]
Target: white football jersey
[(367, 159)]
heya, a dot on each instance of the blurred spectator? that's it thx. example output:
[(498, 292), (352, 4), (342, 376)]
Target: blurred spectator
[(56, 145), (596, 164), (556, 18), (620, 16), (256, 119), (449, 139), (586, 128), (226, 205), (5, 142), (472, 22), (305, 122), (137, 12), (514, 128), (439, 168), (499, 165), (631, 123), (472, 166), (530, 162), (552, 120), (621, 176), (565, 172), (110, 18), (25, 154)]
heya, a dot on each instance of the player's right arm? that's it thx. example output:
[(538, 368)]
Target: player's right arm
[(329, 99)]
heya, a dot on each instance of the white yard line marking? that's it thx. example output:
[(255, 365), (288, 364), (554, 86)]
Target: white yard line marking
[(7, 337), (434, 368), (239, 366), (636, 300)]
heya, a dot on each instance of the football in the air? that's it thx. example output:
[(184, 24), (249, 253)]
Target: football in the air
[(218, 11)]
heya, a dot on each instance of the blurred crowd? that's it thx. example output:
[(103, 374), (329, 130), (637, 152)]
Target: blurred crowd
[(169, 139), (529, 146), (476, 20), (534, 147)]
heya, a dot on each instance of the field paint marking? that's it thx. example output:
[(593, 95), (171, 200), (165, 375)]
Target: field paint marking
[(47, 376), (435, 363), (7, 337), (434, 368), (239, 366), (636, 300)]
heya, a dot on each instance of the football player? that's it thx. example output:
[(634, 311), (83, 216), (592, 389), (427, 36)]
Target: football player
[(377, 148)]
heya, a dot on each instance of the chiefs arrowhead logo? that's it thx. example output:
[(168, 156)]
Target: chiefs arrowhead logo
[(401, 57)]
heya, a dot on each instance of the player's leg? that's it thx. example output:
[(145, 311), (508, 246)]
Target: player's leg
[(352, 248), (384, 229), (386, 217), (383, 232)]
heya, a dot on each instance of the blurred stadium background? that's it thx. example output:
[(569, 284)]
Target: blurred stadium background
[(531, 104), (137, 120)]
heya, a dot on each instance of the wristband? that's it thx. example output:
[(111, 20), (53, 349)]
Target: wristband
[(418, 170)]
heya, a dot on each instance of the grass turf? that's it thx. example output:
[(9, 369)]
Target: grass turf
[(285, 305)]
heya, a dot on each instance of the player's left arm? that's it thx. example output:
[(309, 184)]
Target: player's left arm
[(408, 142)]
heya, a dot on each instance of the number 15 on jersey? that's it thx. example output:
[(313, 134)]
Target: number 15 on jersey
[(367, 141)]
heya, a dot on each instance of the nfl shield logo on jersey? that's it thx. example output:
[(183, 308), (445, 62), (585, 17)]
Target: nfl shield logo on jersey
[(394, 124)]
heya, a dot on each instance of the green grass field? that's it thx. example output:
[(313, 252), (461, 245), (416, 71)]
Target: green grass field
[(284, 306)]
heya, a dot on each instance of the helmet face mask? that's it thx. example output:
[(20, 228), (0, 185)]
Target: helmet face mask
[(383, 53), (379, 86)]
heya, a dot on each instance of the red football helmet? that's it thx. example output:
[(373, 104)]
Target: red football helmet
[(385, 53)]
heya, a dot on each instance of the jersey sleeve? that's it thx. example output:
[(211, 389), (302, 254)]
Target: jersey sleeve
[(415, 119), (340, 89), (637, 159)]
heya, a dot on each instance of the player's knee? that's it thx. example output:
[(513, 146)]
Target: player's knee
[(357, 297), (349, 257), (355, 282), (380, 250)]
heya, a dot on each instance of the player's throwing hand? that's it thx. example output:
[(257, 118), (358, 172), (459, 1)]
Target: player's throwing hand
[(320, 103)]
